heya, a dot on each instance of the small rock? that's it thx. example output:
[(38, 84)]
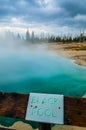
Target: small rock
[(21, 126)]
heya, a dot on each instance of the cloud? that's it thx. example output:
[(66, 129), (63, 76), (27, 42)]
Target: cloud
[(73, 7), (80, 18), (46, 15), (48, 6), (75, 11)]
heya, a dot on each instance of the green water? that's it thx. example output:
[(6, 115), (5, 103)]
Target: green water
[(23, 70)]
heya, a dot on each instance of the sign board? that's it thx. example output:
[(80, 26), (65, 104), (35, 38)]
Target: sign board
[(47, 108)]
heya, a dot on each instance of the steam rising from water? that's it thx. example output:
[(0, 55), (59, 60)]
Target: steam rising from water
[(33, 69)]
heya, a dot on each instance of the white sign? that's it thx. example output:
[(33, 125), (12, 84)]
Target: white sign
[(47, 108)]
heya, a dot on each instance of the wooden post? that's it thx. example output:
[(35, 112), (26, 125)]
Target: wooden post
[(44, 126)]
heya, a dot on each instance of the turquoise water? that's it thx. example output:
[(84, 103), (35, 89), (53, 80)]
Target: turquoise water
[(23, 70)]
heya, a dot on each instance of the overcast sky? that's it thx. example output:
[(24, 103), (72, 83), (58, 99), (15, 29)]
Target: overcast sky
[(49, 16)]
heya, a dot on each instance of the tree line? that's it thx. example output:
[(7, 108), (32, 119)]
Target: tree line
[(32, 38)]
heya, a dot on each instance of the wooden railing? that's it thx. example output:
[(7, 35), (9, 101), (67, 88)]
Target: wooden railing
[(14, 105)]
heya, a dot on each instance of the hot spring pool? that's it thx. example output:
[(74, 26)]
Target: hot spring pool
[(23, 70)]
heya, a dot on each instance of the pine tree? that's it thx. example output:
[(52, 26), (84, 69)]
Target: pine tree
[(32, 38), (18, 36), (27, 36)]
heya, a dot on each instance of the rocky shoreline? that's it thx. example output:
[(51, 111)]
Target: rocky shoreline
[(75, 51)]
